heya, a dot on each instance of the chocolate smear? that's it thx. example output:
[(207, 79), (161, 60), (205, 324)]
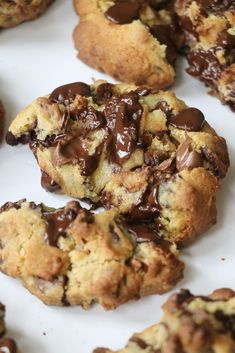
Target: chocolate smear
[(123, 114), (58, 221)]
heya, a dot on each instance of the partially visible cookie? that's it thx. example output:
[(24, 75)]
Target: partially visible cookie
[(71, 256), (2, 118), (7, 345), (210, 32), (143, 152), (133, 41), (14, 12), (191, 324)]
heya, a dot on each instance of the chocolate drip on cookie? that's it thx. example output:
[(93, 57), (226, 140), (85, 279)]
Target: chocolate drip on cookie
[(57, 222)]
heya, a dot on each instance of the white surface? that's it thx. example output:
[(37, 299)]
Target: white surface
[(35, 58)]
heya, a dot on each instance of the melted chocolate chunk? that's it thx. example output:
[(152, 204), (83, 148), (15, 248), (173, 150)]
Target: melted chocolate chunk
[(65, 94), (165, 35), (205, 65), (48, 183), (187, 159), (74, 151), (58, 221), (144, 233), (148, 208), (123, 12), (103, 93), (190, 119), (123, 114), (164, 106), (168, 166), (7, 345)]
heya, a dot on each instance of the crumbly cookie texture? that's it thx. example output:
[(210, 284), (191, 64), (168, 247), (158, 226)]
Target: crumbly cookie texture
[(7, 345), (2, 118), (123, 146), (210, 32), (15, 12), (71, 256), (191, 324), (133, 41)]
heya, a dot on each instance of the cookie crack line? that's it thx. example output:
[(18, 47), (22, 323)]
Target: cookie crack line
[(141, 151), (84, 259), (139, 41), (190, 324)]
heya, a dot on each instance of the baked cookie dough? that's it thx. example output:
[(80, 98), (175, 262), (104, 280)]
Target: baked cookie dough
[(210, 32), (15, 12), (71, 256), (133, 41), (143, 152), (191, 324), (2, 118), (7, 345)]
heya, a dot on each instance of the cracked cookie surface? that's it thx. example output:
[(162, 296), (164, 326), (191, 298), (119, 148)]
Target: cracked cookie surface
[(14, 12), (210, 32), (7, 345), (145, 153), (71, 256), (133, 41), (190, 324)]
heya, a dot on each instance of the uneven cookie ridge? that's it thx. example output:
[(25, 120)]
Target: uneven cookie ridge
[(190, 324), (71, 256), (15, 12), (143, 152), (135, 43), (210, 33)]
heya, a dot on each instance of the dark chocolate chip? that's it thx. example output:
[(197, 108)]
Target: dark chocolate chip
[(123, 12), (190, 119), (67, 93)]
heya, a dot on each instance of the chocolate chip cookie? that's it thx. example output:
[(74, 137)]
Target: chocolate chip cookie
[(2, 116), (190, 324), (133, 41), (143, 152), (71, 256), (7, 345), (14, 12), (210, 30)]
